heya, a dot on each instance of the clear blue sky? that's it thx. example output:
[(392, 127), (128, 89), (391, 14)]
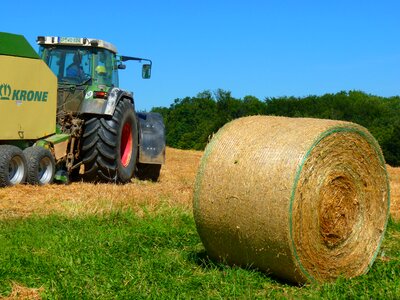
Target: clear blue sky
[(260, 48)]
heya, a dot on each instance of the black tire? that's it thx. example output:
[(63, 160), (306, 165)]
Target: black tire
[(148, 171), (41, 165), (110, 145), (13, 167)]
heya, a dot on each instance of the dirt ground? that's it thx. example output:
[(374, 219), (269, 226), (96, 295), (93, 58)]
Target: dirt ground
[(174, 189)]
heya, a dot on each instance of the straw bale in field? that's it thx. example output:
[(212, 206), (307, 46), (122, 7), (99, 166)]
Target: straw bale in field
[(303, 199)]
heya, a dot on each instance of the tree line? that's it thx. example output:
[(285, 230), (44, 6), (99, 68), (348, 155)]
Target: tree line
[(191, 120)]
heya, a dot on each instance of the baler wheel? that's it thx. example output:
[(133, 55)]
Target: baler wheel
[(13, 166), (110, 145), (41, 165)]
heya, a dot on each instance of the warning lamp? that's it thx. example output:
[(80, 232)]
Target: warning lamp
[(100, 94)]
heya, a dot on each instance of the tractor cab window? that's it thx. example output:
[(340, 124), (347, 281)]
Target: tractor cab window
[(77, 65), (105, 68), (70, 65)]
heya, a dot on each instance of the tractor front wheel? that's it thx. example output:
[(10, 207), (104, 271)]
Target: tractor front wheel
[(110, 145), (41, 165), (12, 165)]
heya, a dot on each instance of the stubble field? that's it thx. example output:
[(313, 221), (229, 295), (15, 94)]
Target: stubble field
[(174, 188), (78, 198), (112, 241)]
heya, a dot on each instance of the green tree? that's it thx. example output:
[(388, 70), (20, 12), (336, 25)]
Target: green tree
[(191, 120)]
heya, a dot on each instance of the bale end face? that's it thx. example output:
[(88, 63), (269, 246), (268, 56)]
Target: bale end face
[(340, 205)]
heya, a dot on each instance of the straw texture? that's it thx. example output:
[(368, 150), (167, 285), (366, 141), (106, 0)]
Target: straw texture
[(394, 174), (303, 199)]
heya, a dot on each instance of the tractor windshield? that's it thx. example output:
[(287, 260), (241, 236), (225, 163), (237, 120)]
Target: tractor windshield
[(105, 68), (70, 65), (79, 65)]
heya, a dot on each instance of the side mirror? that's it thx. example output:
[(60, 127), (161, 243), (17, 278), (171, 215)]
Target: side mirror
[(121, 66), (146, 71)]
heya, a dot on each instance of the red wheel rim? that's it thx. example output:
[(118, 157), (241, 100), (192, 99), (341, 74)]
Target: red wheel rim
[(126, 144)]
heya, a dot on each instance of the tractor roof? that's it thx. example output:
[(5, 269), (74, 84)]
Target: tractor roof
[(73, 41)]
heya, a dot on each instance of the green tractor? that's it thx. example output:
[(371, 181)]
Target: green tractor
[(109, 140), (78, 123)]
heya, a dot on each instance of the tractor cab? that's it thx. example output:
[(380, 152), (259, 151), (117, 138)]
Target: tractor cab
[(77, 62), (87, 71)]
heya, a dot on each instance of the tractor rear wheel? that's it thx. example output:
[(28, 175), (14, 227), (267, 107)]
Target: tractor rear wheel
[(41, 165), (110, 145), (12, 165)]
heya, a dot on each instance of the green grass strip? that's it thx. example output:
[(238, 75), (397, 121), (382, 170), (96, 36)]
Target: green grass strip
[(157, 256)]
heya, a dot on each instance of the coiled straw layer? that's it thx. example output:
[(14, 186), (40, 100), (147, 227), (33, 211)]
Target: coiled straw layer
[(303, 199)]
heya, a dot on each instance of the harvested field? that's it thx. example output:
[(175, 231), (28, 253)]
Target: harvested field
[(20, 292), (394, 174), (175, 188)]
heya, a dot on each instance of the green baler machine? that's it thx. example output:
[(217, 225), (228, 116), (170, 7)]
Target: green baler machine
[(28, 100), (28, 92)]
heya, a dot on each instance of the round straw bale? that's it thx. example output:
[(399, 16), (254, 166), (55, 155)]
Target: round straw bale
[(303, 199)]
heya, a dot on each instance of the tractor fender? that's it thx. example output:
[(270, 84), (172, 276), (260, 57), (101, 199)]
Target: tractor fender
[(151, 138), (107, 106), (114, 96)]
